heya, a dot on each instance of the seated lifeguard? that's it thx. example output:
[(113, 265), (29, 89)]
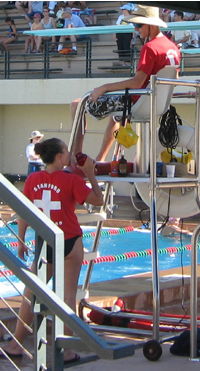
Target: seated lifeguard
[(157, 53)]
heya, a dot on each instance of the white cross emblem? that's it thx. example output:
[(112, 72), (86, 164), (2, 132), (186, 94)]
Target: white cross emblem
[(46, 204)]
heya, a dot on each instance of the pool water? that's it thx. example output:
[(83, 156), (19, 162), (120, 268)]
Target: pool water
[(110, 245)]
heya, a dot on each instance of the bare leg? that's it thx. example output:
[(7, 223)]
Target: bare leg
[(7, 41), (27, 44), (73, 264), (73, 41), (19, 7), (80, 136), (32, 43), (108, 139), (38, 43), (27, 316), (62, 40)]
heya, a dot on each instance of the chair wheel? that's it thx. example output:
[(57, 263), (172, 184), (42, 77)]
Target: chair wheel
[(152, 350)]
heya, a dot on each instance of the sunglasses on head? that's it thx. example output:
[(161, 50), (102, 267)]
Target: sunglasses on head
[(138, 25)]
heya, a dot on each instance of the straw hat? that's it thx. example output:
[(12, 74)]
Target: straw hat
[(145, 15), (35, 134)]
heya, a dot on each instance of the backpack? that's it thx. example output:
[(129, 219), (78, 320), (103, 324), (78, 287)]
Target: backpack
[(181, 346)]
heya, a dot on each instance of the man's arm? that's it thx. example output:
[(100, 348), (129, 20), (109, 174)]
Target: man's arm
[(185, 38), (135, 83)]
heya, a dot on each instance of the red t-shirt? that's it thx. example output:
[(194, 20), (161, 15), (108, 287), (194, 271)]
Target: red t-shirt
[(56, 195), (154, 56)]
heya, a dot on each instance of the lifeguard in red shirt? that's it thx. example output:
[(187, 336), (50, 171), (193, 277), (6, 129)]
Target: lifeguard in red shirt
[(157, 53)]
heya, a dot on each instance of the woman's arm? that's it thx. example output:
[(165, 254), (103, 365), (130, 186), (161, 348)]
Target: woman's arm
[(53, 23), (14, 31), (95, 197)]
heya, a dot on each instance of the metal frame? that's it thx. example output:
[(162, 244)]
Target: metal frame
[(54, 236)]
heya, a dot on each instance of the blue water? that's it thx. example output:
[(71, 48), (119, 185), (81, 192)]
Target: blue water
[(109, 245)]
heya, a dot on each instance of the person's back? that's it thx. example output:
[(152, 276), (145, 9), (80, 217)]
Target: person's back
[(160, 52)]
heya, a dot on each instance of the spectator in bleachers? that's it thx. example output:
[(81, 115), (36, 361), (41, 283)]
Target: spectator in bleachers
[(167, 15), (37, 25), (34, 7), (29, 44), (71, 21), (51, 7), (48, 23), (124, 40), (181, 38), (189, 16), (195, 33), (22, 6), (71, 4), (11, 34)]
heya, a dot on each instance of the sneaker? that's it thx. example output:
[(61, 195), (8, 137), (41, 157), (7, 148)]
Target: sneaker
[(72, 52)]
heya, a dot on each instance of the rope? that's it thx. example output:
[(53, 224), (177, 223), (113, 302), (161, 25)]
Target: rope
[(126, 256), (107, 232), (168, 132)]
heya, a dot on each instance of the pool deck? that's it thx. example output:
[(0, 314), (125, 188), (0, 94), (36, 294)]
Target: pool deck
[(137, 294)]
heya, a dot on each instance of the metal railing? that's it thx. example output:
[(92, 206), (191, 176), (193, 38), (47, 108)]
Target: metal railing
[(49, 64)]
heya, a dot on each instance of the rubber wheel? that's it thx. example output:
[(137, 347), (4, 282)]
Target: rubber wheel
[(152, 350)]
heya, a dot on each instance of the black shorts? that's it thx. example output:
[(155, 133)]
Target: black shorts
[(69, 244)]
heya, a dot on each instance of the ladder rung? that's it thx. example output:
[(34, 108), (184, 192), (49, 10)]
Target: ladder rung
[(91, 255), (91, 217)]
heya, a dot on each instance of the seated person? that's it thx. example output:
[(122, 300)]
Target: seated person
[(11, 34), (181, 37), (71, 20), (154, 56), (172, 227), (48, 23), (34, 7), (22, 6), (37, 25)]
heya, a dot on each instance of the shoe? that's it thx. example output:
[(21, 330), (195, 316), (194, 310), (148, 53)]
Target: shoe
[(73, 360), (72, 52), (12, 355)]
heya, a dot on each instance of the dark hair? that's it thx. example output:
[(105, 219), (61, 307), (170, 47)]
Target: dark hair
[(8, 19), (48, 149), (180, 14)]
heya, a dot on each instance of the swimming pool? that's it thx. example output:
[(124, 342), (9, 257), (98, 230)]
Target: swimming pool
[(110, 245)]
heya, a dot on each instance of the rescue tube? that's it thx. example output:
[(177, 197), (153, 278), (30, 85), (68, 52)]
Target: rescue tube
[(135, 319), (182, 205)]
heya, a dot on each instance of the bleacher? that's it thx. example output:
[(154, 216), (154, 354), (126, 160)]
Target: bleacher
[(100, 61)]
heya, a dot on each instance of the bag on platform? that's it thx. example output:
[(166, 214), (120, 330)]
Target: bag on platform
[(181, 346)]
